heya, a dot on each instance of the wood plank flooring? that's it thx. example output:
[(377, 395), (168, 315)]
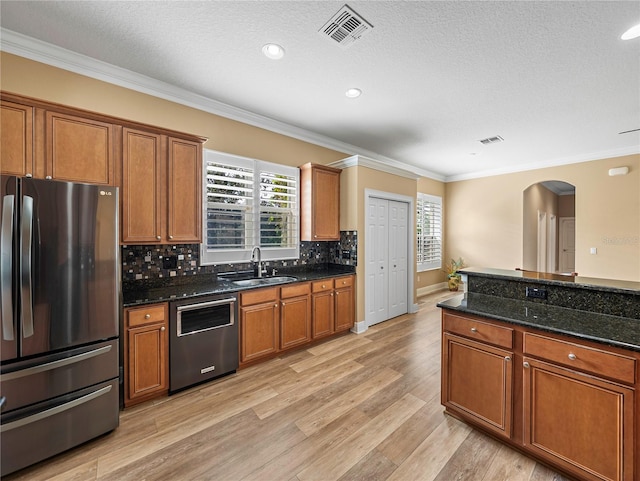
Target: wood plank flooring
[(360, 407)]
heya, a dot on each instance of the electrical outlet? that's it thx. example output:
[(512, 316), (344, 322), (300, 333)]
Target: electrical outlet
[(536, 293)]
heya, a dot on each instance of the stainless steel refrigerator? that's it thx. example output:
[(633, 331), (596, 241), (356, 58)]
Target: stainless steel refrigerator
[(59, 287)]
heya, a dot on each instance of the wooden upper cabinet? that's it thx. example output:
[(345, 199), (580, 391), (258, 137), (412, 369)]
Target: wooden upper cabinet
[(185, 191), (16, 139), (142, 164), (161, 189), (319, 203), (79, 149)]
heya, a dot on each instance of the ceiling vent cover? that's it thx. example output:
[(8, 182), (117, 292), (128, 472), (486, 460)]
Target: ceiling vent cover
[(492, 140), (345, 27)]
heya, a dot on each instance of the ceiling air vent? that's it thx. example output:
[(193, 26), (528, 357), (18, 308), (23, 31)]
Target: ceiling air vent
[(345, 27), (492, 140)]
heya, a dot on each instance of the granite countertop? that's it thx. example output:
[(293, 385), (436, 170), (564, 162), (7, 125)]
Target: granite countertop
[(135, 293), (581, 282), (615, 331)]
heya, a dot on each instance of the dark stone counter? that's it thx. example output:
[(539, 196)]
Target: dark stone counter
[(135, 293), (601, 310), (606, 329)]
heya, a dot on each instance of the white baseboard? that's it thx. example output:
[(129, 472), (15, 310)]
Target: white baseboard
[(423, 291), (360, 327)]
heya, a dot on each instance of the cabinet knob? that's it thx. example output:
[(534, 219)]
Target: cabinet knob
[(572, 356), (323, 286), (473, 329), (158, 237), (162, 328), (147, 316), (526, 364), (507, 358), (170, 237), (48, 177), (283, 303), (275, 305), (29, 175)]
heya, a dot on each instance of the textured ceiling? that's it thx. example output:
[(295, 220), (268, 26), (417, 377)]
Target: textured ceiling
[(552, 78)]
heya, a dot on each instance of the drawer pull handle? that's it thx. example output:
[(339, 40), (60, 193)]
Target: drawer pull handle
[(473, 329), (572, 356), (147, 316), (525, 364), (323, 286)]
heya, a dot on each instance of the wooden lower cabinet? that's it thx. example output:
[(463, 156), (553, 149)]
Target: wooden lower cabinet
[(323, 312), (478, 380), (146, 353), (345, 306), (579, 421), (575, 401), (295, 315), (276, 319), (259, 321)]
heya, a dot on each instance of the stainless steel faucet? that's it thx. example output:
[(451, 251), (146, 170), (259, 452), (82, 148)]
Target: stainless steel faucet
[(259, 261)]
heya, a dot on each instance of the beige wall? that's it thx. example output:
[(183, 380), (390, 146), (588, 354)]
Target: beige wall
[(484, 217)]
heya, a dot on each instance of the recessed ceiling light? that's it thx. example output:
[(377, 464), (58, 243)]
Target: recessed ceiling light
[(273, 51), (633, 32), (353, 93)]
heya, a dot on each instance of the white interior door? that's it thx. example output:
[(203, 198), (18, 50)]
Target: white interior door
[(387, 259), (552, 243), (398, 237), (567, 247), (377, 245)]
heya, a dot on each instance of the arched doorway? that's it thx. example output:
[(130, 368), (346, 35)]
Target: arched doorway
[(548, 227)]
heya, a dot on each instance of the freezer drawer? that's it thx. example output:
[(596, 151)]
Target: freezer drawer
[(41, 431), (46, 377)]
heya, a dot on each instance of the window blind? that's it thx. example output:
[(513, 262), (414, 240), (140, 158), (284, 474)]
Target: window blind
[(429, 232), (248, 203)]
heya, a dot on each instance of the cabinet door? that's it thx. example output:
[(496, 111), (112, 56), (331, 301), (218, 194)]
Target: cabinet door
[(326, 205), (141, 177), (147, 361), (295, 321), (16, 139), (322, 314), (579, 422), (184, 191), (477, 382), (345, 312), (259, 331), (79, 149)]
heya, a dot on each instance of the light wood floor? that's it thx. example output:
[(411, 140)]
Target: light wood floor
[(360, 407)]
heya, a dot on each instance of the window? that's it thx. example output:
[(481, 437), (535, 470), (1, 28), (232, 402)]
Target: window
[(429, 230), (248, 203)]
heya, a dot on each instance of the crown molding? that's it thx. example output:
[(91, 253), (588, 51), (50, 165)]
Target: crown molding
[(362, 161), (49, 54), (605, 154)]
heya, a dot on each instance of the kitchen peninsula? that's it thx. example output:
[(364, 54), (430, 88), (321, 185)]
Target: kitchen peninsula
[(549, 365)]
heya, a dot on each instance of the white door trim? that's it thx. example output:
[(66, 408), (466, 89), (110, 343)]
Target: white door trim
[(411, 227)]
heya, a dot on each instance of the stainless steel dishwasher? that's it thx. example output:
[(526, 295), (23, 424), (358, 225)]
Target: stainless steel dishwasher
[(203, 342)]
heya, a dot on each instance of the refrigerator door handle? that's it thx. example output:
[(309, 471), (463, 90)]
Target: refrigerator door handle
[(53, 411), (6, 266), (25, 271)]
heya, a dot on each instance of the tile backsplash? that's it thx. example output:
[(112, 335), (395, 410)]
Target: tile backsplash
[(159, 261)]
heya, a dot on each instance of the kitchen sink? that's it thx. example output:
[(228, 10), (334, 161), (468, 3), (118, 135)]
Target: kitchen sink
[(264, 281)]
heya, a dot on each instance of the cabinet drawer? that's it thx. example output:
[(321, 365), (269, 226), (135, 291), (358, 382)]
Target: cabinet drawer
[(596, 361), (146, 315), (295, 290), (343, 282), (481, 331), (258, 296), (321, 286)]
